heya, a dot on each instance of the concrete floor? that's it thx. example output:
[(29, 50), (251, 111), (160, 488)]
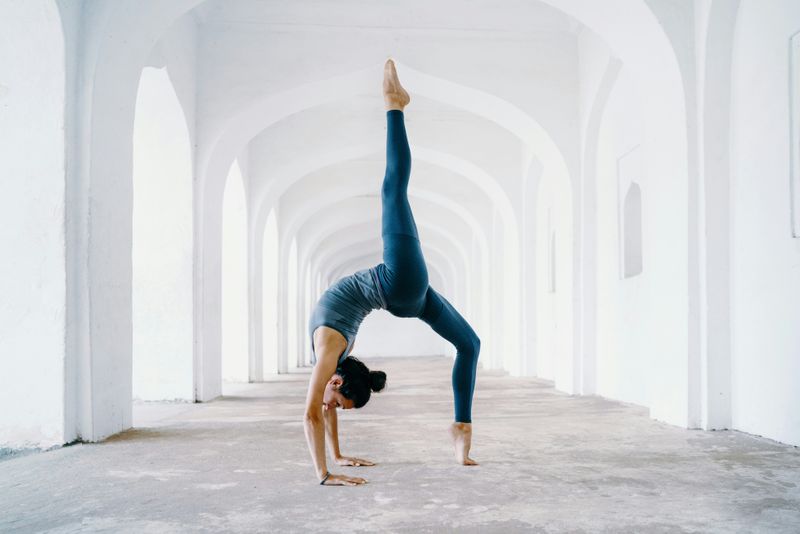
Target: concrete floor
[(549, 463)]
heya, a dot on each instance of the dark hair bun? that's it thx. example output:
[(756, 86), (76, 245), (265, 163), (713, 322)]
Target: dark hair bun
[(377, 380)]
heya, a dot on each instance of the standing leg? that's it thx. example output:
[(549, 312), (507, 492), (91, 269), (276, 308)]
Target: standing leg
[(445, 320)]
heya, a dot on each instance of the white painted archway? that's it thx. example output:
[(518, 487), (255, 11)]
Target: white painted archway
[(235, 355), (162, 253), (118, 47)]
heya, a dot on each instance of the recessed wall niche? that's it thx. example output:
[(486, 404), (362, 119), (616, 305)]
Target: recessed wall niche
[(629, 174)]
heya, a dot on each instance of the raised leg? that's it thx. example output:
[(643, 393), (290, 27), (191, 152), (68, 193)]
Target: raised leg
[(403, 275), (397, 217)]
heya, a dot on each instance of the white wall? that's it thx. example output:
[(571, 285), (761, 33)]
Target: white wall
[(554, 269), (383, 334), (641, 320), (32, 271), (765, 257), (623, 348)]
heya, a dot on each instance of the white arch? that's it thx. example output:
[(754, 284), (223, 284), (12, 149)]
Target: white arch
[(585, 325), (162, 243), (316, 204), (234, 279), (123, 38), (344, 252), (636, 37), (115, 43), (473, 301), (440, 245), (509, 343), (354, 230), (257, 116)]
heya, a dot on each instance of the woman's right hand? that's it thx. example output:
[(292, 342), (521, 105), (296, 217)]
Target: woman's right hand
[(343, 480)]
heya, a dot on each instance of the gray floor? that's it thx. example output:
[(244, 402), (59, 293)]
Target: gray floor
[(549, 463)]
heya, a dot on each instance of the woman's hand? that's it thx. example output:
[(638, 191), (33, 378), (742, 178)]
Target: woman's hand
[(343, 480), (349, 460)]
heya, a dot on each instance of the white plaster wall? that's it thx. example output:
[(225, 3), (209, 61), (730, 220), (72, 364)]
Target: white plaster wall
[(641, 326), (765, 257), (383, 334), (623, 349), (162, 243), (177, 50), (593, 56), (554, 308), (32, 272)]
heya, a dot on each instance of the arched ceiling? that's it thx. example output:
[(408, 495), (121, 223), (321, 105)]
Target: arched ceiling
[(363, 229)]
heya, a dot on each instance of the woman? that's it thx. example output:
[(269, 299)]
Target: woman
[(398, 285)]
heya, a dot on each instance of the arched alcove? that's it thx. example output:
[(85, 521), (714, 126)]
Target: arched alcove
[(235, 362), (632, 232), (162, 243)]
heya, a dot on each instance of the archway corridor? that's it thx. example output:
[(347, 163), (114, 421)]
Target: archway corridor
[(601, 191)]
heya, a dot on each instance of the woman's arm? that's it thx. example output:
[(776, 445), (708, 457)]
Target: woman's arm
[(332, 431), (332, 435), (313, 422)]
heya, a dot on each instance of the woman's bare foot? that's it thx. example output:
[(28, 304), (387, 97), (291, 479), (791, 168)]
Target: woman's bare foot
[(462, 441), (394, 95)]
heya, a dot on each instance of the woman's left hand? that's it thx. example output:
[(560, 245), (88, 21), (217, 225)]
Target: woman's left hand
[(349, 460)]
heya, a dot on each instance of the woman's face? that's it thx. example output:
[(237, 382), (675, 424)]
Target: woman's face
[(332, 398)]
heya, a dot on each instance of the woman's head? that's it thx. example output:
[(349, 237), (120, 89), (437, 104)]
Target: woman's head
[(352, 383)]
